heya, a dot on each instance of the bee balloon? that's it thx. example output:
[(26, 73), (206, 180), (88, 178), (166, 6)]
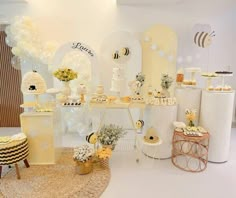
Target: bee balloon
[(203, 35), (125, 51), (116, 55), (139, 124), (92, 138)]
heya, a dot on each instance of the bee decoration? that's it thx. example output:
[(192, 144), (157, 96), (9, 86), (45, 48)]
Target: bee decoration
[(125, 51), (92, 138), (139, 124), (116, 55), (203, 35)]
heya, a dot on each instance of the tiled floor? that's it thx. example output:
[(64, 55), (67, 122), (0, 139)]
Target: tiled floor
[(159, 178)]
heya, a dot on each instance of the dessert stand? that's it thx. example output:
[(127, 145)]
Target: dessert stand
[(192, 71), (209, 78)]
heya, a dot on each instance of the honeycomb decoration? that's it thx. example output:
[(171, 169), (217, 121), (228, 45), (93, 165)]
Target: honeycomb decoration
[(33, 83)]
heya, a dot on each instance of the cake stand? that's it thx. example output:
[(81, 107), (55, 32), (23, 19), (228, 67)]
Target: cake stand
[(223, 78), (53, 92), (193, 71), (209, 77)]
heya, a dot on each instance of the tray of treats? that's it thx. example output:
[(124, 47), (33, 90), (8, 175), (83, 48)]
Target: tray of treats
[(137, 99), (71, 104), (217, 89), (224, 73), (209, 75), (189, 83)]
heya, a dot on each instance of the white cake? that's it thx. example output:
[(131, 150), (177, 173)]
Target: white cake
[(117, 79)]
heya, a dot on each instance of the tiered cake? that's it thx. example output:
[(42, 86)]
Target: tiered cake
[(117, 79)]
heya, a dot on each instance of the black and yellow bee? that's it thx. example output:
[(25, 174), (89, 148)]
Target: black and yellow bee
[(92, 138), (139, 124), (116, 55), (203, 39), (125, 51)]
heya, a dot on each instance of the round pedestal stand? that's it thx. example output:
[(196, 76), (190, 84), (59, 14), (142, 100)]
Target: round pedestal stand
[(161, 118), (216, 117)]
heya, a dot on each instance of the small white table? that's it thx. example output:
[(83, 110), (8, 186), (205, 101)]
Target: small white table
[(143, 143), (125, 106)]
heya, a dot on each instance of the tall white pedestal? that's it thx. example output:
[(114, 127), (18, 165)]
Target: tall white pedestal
[(161, 118), (44, 134), (216, 116), (188, 98)]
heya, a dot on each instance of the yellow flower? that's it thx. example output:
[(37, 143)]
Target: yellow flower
[(65, 74), (104, 153)]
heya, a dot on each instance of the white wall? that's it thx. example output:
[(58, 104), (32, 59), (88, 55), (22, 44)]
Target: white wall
[(91, 20)]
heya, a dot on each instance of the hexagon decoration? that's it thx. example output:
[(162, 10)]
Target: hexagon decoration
[(33, 83)]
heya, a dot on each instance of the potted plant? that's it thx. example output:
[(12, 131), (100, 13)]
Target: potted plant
[(166, 82), (190, 115), (83, 157), (110, 134), (103, 154)]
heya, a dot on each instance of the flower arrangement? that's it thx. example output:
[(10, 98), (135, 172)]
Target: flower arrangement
[(65, 74), (190, 115), (110, 134), (104, 153), (140, 78), (166, 81), (83, 153)]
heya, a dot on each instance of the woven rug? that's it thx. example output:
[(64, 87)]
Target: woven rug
[(53, 181)]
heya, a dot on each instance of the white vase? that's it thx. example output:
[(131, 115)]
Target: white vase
[(66, 90), (100, 89)]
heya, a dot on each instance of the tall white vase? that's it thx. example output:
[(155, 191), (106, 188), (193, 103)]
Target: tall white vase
[(66, 90)]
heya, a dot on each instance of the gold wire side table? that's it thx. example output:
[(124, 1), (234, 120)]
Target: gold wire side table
[(190, 153)]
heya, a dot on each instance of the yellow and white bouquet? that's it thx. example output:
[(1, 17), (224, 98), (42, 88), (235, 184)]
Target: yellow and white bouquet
[(65, 74), (190, 115), (104, 153)]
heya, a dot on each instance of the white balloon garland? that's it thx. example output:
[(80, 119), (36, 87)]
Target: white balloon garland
[(23, 37)]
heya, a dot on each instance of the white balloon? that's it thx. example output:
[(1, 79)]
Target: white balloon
[(15, 63), (8, 30), (147, 39), (170, 58), (179, 60), (189, 59), (9, 42), (154, 46), (197, 56), (161, 53)]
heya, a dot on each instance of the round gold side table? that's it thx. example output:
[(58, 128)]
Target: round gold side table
[(190, 153)]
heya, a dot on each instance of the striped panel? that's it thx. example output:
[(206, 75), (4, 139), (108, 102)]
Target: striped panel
[(10, 92), (12, 154)]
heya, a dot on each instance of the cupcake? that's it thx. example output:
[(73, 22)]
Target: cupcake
[(210, 88), (227, 88), (218, 88)]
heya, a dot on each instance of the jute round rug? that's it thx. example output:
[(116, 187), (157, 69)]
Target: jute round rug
[(53, 181)]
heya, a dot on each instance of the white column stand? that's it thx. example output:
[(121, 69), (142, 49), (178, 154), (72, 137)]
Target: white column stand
[(216, 116), (161, 118)]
